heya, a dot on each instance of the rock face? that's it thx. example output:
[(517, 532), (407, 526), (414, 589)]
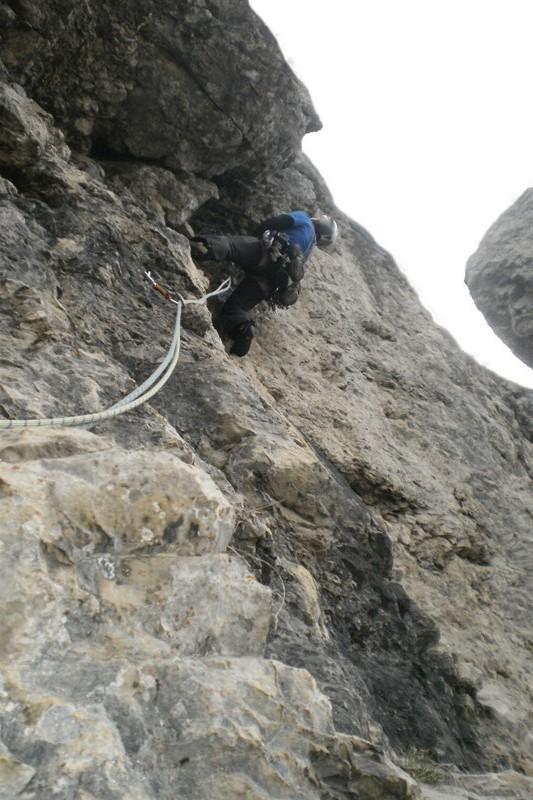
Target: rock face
[(144, 677), (482, 787), (500, 277), (159, 82), (289, 575)]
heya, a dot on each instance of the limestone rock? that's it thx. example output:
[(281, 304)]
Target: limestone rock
[(500, 277), (172, 198), (35, 444), (14, 776), (206, 730), (251, 754), (137, 606), (27, 138), (482, 787), (117, 503), (377, 479), (198, 606), (32, 146), (308, 601), (159, 82)]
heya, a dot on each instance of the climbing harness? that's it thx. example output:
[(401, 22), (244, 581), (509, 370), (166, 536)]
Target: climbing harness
[(148, 388), (278, 250), (289, 261)]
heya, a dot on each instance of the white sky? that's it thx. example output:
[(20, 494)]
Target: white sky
[(428, 130)]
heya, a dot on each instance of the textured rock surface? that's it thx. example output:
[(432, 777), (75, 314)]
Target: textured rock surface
[(482, 787), (104, 700), (500, 277), (374, 478), (160, 81), (190, 729)]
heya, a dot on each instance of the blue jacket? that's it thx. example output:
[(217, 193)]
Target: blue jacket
[(297, 226)]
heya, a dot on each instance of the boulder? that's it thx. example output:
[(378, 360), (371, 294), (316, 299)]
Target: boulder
[(116, 504), (499, 276)]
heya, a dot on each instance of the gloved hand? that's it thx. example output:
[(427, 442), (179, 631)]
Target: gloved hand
[(200, 249)]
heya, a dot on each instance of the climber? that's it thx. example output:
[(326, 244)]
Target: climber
[(273, 262)]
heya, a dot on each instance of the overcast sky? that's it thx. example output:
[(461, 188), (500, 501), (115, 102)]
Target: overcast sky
[(428, 130)]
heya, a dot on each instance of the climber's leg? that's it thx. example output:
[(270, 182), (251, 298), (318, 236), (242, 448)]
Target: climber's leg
[(234, 317), (245, 251)]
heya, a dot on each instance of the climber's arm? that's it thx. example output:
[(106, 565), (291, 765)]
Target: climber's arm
[(281, 222)]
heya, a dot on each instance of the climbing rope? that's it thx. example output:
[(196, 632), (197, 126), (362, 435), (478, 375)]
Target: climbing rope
[(146, 390)]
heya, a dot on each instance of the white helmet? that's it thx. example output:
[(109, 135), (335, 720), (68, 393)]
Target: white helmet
[(326, 231)]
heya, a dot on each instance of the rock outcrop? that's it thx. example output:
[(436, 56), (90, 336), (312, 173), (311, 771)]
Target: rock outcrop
[(199, 87), (500, 277), (287, 576)]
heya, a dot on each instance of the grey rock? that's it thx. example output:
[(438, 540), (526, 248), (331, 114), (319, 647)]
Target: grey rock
[(171, 198), (28, 139), (33, 445), (500, 277), (14, 775), (118, 504), (495, 786), (250, 753), (212, 728), (150, 599), (172, 81), (374, 478)]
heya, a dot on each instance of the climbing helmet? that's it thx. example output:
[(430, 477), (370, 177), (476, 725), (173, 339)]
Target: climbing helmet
[(326, 231)]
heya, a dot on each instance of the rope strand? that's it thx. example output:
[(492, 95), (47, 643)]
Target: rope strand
[(142, 393)]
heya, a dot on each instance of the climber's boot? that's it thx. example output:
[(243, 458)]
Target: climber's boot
[(242, 339), (201, 249)]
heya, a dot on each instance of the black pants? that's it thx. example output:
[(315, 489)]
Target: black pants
[(234, 317), (247, 253)]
